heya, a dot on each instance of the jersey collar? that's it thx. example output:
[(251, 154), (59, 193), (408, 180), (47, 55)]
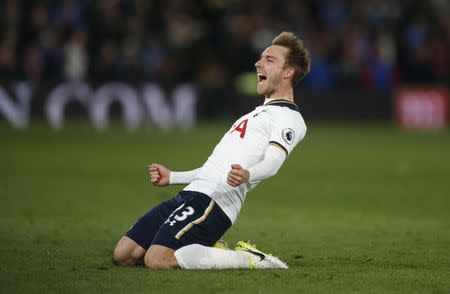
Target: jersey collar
[(283, 103)]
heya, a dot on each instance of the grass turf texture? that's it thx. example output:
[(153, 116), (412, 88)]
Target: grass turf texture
[(354, 209)]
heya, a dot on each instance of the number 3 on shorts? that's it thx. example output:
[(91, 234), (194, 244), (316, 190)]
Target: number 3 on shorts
[(184, 214)]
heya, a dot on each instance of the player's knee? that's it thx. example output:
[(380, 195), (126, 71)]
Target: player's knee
[(155, 262), (124, 255), (121, 256)]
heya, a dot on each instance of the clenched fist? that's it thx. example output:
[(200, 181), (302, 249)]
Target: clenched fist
[(159, 174), (237, 175)]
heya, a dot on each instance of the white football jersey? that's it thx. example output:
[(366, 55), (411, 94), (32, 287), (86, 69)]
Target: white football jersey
[(277, 122)]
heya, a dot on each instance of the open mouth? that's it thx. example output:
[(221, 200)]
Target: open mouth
[(261, 78)]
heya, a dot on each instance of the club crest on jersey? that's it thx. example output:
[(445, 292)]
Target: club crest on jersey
[(288, 135)]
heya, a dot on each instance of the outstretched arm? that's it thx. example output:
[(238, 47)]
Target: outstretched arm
[(162, 176), (184, 177), (269, 166)]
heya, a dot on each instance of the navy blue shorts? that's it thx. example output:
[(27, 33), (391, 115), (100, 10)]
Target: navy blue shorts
[(189, 218)]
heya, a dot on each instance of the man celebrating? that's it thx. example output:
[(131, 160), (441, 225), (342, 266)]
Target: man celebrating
[(181, 232)]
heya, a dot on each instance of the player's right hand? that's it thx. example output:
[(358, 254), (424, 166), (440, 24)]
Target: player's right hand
[(159, 174)]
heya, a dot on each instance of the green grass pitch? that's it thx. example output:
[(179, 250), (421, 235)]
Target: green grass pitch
[(355, 209)]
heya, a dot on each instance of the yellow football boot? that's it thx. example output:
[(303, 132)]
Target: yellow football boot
[(259, 259), (221, 244)]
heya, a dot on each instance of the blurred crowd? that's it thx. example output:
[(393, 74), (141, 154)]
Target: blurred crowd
[(359, 43)]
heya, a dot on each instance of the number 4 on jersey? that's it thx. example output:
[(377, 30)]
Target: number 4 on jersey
[(241, 128)]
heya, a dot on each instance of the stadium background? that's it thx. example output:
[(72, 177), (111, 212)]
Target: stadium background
[(362, 50), (365, 204)]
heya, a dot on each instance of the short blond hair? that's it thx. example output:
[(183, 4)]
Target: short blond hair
[(298, 56)]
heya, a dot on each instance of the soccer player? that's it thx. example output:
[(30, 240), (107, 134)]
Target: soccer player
[(181, 232)]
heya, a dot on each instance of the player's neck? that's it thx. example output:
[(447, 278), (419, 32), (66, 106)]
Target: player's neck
[(287, 95)]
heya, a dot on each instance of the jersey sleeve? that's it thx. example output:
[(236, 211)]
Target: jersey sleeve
[(286, 131), (182, 177), (269, 166)]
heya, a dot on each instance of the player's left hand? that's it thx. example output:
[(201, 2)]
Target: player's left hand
[(237, 175)]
